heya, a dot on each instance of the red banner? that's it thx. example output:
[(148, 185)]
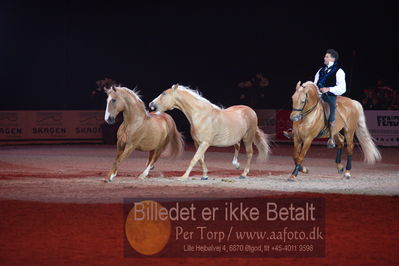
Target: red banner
[(86, 126), (50, 126), (283, 122)]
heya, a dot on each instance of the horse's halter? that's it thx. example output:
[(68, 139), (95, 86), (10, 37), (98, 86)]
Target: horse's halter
[(302, 114)]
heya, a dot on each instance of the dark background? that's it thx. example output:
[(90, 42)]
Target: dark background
[(52, 53)]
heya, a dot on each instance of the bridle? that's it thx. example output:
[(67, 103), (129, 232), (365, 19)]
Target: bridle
[(302, 114)]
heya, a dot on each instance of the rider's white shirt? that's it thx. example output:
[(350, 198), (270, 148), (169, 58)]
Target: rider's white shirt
[(340, 87)]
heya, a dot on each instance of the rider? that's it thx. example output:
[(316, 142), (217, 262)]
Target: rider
[(331, 82)]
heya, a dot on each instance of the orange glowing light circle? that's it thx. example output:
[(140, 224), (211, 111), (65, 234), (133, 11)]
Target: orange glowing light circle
[(146, 235)]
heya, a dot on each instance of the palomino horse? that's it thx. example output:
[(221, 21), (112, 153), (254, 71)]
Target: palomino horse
[(214, 126), (308, 117), (140, 130)]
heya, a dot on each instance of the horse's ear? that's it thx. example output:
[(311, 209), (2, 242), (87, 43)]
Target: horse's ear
[(298, 85), (113, 88), (175, 86)]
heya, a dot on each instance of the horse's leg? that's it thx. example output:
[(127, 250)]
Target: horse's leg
[(120, 147), (236, 152), (297, 150), (202, 163), (198, 155), (152, 158), (249, 151), (339, 139), (150, 155), (155, 158), (349, 148), (122, 154), (299, 156)]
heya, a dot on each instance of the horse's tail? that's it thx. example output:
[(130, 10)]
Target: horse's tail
[(263, 144), (175, 144), (370, 150)]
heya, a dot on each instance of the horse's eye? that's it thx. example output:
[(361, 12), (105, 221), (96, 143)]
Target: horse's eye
[(163, 93), (113, 100)]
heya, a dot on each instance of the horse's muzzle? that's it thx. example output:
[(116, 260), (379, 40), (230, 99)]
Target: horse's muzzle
[(110, 120), (153, 106), (296, 117)]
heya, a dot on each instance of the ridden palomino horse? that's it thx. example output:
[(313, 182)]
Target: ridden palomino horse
[(214, 126), (140, 130), (309, 123)]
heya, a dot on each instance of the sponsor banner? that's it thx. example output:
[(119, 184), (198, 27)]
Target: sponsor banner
[(383, 126), (86, 126), (32, 126), (267, 120), (12, 125)]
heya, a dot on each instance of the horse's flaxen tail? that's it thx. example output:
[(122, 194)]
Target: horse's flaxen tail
[(263, 144), (370, 150), (175, 144)]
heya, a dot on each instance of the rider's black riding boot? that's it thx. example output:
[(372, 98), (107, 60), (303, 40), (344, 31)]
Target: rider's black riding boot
[(331, 142), (331, 99)]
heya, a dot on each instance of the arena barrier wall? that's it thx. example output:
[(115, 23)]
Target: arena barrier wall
[(80, 126)]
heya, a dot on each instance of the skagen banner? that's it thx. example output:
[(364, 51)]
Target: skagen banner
[(246, 227), (43, 126)]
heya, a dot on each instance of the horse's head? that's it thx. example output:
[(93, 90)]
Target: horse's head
[(302, 100), (115, 104), (165, 101)]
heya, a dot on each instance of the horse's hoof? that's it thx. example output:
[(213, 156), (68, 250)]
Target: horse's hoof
[(305, 170), (331, 144), (237, 166), (242, 177), (347, 176), (204, 178), (152, 167), (341, 171), (182, 178), (141, 177), (291, 179), (107, 181)]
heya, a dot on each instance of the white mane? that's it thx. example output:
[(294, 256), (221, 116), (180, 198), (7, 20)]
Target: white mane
[(135, 93), (197, 95)]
